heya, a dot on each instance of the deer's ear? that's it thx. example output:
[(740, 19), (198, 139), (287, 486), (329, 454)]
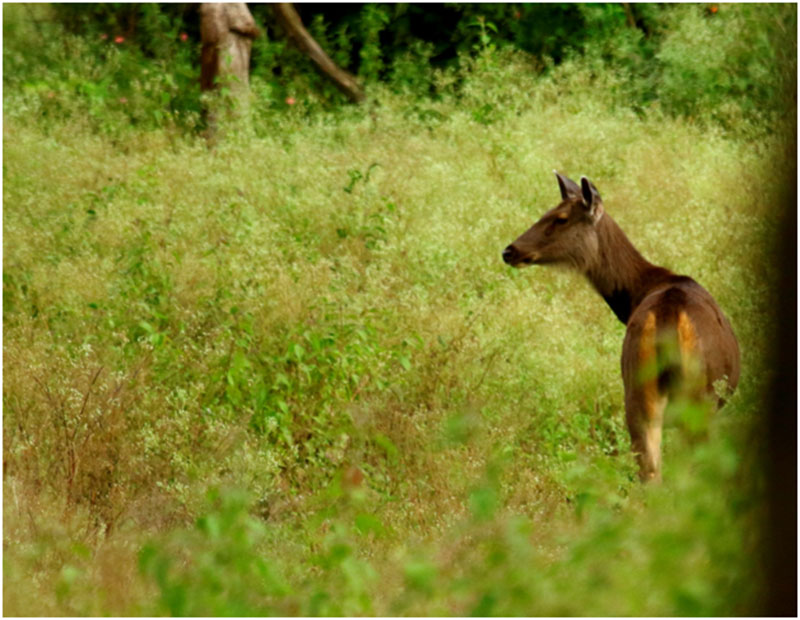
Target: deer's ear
[(591, 198), (568, 187)]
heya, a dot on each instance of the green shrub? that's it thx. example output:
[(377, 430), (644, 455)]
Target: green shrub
[(316, 312), (732, 66), (215, 569)]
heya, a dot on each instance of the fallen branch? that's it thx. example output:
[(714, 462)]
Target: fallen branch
[(293, 25)]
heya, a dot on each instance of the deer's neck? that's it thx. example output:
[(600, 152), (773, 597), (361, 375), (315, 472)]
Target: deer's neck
[(620, 273)]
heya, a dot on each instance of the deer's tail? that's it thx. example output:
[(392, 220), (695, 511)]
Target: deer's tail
[(676, 345)]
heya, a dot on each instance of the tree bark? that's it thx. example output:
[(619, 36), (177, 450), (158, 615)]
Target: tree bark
[(292, 24), (629, 14), (227, 32)]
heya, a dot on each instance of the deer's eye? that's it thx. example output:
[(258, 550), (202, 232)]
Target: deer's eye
[(562, 218)]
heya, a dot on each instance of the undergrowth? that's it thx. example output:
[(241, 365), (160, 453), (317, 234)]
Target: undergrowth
[(292, 376)]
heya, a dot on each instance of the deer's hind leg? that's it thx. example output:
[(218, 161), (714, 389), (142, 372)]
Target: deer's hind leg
[(644, 403), (644, 414)]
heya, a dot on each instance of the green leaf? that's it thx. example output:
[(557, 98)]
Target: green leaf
[(388, 446), (366, 523), (420, 575)]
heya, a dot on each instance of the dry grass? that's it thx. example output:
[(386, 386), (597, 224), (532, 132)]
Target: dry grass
[(152, 287)]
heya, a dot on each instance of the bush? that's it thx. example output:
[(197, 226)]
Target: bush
[(728, 65), (315, 312)]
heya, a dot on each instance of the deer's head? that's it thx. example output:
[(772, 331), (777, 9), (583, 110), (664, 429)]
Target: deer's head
[(566, 234)]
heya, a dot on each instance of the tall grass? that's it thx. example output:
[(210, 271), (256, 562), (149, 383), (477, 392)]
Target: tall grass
[(291, 375)]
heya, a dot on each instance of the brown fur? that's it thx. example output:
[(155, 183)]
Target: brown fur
[(648, 356), (687, 341), (677, 343)]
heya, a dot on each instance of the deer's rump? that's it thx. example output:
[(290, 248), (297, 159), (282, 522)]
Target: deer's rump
[(678, 341)]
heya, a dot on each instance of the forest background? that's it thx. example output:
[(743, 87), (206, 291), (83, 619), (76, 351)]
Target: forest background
[(290, 374)]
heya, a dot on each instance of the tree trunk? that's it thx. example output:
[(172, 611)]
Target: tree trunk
[(227, 32), (291, 23), (629, 14)]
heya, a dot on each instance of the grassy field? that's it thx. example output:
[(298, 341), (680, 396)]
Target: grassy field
[(292, 375)]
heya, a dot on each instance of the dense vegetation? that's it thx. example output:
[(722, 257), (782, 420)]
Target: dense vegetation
[(291, 375), (137, 64)]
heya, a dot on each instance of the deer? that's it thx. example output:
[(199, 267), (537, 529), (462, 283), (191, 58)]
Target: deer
[(679, 347)]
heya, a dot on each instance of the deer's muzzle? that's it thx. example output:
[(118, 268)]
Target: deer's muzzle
[(515, 258)]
